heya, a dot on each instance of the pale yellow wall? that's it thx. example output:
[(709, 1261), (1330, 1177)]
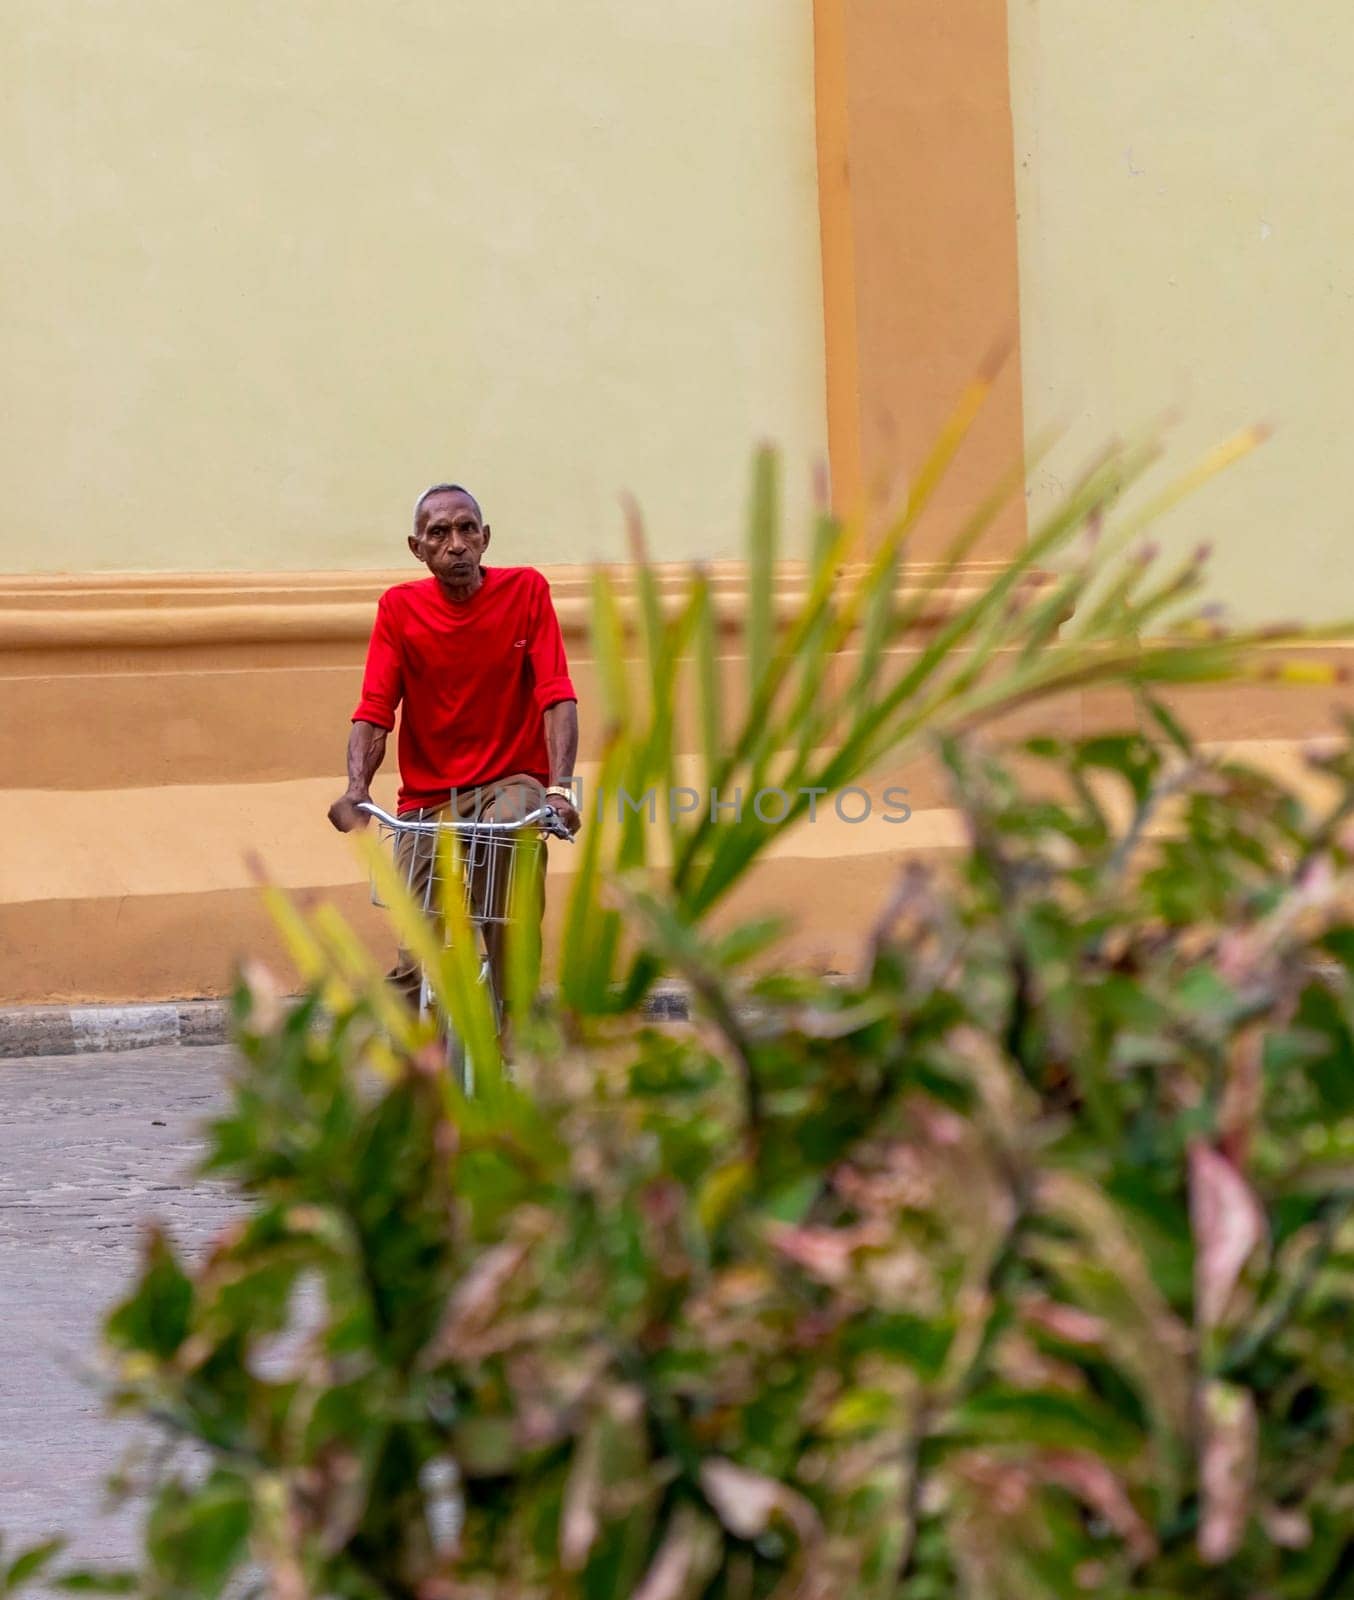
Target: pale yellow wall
[(269, 269), (1185, 179)]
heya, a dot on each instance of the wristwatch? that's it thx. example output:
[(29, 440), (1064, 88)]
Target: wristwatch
[(563, 791)]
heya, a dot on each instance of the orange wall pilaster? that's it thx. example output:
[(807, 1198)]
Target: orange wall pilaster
[(920, 272)]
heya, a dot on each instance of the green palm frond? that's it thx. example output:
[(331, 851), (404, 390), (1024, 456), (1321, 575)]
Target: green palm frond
[(874, 658)]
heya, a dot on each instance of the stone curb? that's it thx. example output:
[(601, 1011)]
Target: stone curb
[(82, 1030), (77, 1030)]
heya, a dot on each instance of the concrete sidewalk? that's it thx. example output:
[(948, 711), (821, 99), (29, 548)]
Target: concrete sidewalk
[(90, 1150)]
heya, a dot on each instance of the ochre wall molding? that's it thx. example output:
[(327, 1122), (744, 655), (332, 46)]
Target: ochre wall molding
[(200, 610)]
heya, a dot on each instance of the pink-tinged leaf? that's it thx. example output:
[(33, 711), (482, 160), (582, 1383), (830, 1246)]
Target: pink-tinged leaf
[(579, 1522), (826, 1253), (1289, 1529), (479, 1296), (823, 1252), (1100, 1488), (747, 1503), (1228, 1224), (687, 1556), (937, 1125), (1226, 1469), (903, 1181), (267, 1008), (1007, 1487), (1067, 1323), (1240, 956), (1243, 1095)]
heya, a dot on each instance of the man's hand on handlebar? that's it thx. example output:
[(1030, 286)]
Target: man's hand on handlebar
[(566, 811), (344, 813)]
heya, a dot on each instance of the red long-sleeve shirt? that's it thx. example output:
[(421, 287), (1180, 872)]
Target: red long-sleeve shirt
[(473, 678)]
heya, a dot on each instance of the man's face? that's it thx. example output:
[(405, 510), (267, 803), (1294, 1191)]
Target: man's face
[(450, 539)]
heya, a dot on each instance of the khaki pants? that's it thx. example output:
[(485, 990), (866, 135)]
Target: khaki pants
[(508, 800)]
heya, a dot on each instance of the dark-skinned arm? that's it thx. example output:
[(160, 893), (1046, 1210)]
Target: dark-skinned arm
[(366, 751), (382, 691), (561, 743)]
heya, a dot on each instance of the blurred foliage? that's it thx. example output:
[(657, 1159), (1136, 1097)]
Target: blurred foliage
[(1018, 1263), (24, 1568), (1021, 1263)]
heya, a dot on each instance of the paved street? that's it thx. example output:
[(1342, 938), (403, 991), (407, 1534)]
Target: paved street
[(90, 1146)]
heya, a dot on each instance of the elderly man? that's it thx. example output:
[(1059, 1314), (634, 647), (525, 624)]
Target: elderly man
[(474, 657)]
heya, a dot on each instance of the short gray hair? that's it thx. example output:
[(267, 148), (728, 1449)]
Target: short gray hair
[(446, 488)]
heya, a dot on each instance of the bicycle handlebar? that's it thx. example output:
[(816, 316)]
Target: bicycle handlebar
[(545, 818)]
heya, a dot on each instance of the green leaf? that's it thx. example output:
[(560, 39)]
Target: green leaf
[(862, 1411), (1045, 1418), (592, 928), (30, 1564), (156, 1317), (83, 1580), (450, 958), (709, 684), (196, 1538), (484, 1446), (899, 1336), (608, 640), (1169, 724), (790, 1203)]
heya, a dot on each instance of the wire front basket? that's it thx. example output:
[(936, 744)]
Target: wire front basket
[(478, 861)]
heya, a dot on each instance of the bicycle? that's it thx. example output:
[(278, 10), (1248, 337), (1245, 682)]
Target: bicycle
[(488, 860)]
